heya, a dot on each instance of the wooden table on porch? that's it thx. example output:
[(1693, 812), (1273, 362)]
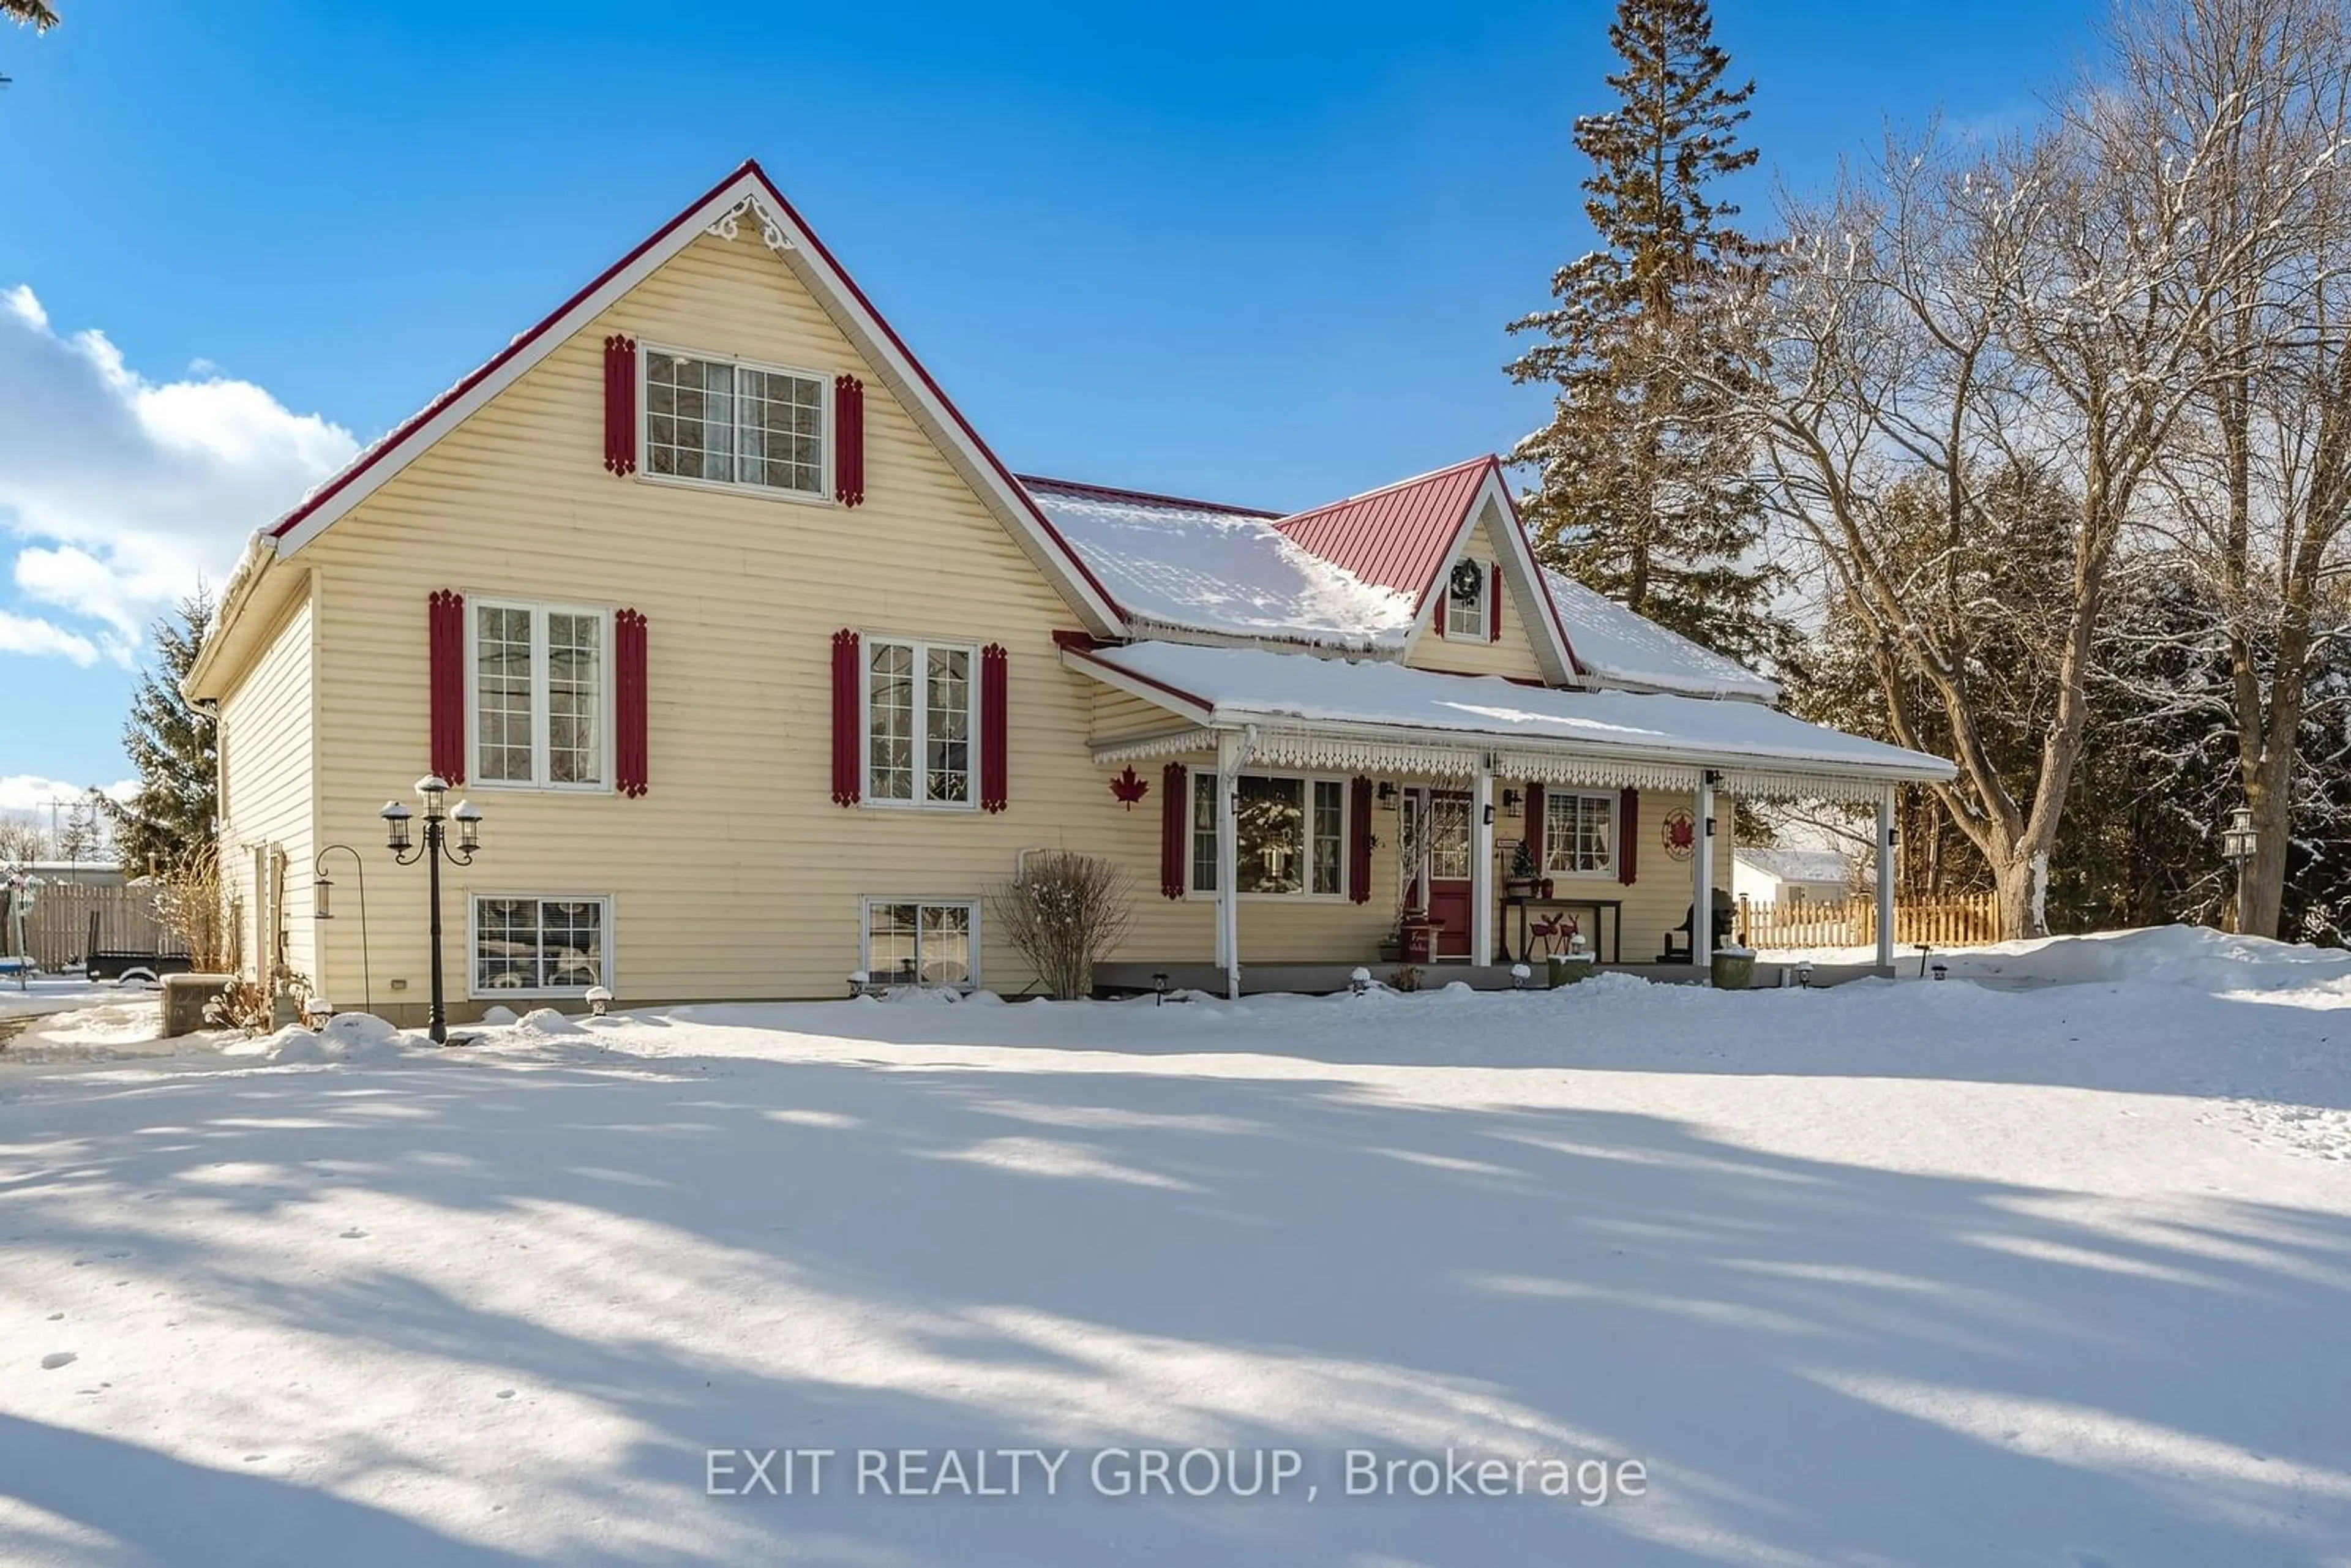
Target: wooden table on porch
[(1601, 908)]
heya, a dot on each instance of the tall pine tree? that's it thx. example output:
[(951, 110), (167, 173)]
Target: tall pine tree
[(173, 747), (1646, 492)]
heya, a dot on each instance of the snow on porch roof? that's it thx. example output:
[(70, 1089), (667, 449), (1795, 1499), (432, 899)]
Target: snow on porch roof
[(1241, 685), (1632, 650)]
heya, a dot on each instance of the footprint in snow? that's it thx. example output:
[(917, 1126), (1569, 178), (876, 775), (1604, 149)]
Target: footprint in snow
[(505, 1393), (57, 1358), (57, 1317), (353, 1234)]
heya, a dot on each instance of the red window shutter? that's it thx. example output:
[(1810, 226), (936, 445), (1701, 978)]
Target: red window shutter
[(1359, 840), (995, 759), (621, 404), (629, 717), (1174, 827), (1629, 835), (1494, 603), (848, 440), (1536, 824), (847, 715), (1444, 608), (446, 653)]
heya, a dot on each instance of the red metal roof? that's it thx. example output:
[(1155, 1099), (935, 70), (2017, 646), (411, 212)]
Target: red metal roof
[(1397, 536)]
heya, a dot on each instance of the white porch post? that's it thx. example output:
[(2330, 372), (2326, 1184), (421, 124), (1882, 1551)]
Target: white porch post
[(1702, 877), (1229, 925), (1885, 877), (1481, 865)]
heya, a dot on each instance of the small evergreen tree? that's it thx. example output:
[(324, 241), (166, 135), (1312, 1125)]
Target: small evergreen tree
[(1645, 488), (174, 749)]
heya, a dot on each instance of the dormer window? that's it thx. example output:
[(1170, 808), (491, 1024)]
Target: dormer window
[(727, 421), (1466, 609)]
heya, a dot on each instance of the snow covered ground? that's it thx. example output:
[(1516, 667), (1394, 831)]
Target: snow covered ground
[(1886, 1274)]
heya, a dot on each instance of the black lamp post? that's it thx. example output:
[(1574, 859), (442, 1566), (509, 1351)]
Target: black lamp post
[(432, 791)]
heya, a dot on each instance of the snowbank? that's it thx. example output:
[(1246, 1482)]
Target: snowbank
[(346, 1037), (2215, 962)]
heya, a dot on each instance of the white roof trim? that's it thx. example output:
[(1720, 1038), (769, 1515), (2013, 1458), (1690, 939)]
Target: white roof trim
[(748, 191)]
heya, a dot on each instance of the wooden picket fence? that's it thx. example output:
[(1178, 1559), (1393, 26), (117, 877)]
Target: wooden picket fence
[(58, 928), (1966, 920)]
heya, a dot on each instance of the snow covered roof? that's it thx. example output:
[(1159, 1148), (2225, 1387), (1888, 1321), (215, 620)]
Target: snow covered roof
[(1242, 685), (1350, 576), (1194, 566), (1797, 865), (1625, 649)]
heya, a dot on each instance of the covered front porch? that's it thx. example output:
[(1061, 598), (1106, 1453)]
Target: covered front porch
[(1319, 815)]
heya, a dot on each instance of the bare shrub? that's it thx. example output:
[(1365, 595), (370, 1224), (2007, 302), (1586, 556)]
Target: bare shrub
[(193, 907), (1063, 913), (252, 1005)]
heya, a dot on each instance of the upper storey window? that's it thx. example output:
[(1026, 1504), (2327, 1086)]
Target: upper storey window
[(1466, 611), (727, 422)]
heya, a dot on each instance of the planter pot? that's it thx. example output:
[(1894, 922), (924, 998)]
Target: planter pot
[(1567, 968), (1732, 971), (1518, 888), (1391, 950), (185, 996), (1418, 941)]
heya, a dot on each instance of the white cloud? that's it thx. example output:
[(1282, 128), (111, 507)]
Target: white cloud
[(23, 793), (24, 634), (124, 492)]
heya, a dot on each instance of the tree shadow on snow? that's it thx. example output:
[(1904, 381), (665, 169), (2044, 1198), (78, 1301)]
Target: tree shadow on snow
[(1818, 1361)]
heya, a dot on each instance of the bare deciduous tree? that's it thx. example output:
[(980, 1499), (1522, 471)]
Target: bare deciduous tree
[(1063, 913), (1975, 327), (2252, 99)]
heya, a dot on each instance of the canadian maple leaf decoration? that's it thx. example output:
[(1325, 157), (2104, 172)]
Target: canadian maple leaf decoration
[(1130, 786)]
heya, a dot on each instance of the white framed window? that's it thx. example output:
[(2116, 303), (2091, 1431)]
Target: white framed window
[(1579, 833), (1290, 835), (713, 420), (1466, 611), (921, 713), (539, 697), (538, 944), (922, 942)]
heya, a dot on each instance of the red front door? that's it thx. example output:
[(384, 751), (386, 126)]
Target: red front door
[(1448, 851)]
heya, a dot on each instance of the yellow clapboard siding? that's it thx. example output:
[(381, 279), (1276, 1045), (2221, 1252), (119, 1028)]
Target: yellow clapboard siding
[(266, 723), (736, 875)]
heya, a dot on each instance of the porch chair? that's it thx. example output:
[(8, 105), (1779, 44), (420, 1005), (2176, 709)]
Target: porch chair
[(1677, 940)]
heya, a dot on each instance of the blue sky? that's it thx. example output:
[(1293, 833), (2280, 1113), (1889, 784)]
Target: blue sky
[(1255, 253)]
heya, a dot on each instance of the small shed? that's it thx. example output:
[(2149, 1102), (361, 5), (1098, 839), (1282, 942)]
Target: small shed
[(1783, 877)]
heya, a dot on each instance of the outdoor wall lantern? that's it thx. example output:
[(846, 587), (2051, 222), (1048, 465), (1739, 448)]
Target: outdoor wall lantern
[(431, 792), (2239, 842), (1489, 813), (1387, 793), (1510, 800)]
